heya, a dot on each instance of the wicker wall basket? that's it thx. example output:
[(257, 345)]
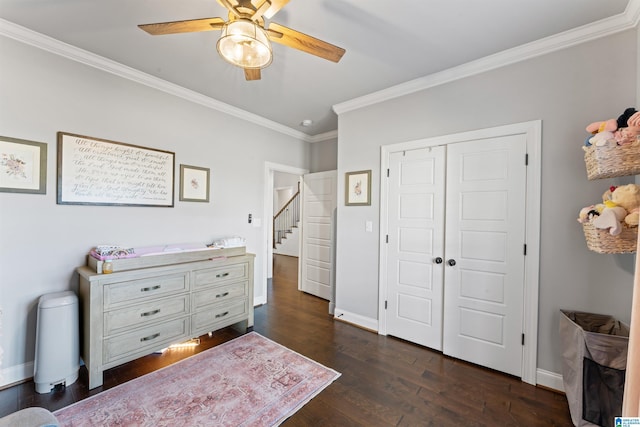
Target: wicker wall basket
[(601, 241), (612, 161)]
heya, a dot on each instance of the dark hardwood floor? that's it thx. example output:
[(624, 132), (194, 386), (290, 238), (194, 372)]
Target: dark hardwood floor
[(384, 381)]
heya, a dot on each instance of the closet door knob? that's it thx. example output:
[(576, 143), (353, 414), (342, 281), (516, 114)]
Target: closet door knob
[(438, 260), (451, 262)]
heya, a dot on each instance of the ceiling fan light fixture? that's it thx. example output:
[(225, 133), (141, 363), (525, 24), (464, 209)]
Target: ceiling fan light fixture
[(245, 44)]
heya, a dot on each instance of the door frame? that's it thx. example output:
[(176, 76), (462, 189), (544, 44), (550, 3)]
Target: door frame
[(269, 169), (533, 132)]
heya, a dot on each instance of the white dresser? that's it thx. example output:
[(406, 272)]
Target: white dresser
[(129, 314)]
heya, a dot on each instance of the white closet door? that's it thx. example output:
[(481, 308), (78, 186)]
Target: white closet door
[(319, 198), (416, 227), (485, 236)]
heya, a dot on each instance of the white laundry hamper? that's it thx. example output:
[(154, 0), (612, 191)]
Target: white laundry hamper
[(57, 359)]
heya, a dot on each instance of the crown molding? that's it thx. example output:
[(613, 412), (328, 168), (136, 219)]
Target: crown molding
[(321, 137), (622, 22), (605, 27), (57, 47)]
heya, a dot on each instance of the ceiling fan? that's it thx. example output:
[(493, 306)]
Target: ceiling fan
[(245, 41)]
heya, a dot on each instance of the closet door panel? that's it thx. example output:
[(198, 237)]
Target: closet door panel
[(416, 227), (485, 236)]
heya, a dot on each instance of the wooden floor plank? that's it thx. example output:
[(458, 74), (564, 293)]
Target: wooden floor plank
[(385, 381)]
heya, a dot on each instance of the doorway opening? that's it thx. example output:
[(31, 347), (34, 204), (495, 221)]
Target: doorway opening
[(270, 171)]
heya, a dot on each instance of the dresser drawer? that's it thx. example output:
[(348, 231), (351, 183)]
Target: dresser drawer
[(209, 320), (219, 294), (131, 317), (145, 340), (211, 276), (138, 290)]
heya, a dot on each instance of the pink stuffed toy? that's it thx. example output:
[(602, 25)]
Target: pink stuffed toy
[(621, 131), (634, 120)]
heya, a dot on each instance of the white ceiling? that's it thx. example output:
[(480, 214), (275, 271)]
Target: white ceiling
[(387, 43)]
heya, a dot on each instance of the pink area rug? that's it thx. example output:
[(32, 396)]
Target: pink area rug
[(249, 381)]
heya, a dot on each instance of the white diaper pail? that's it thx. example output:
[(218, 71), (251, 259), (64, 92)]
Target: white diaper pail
[(57, 359)]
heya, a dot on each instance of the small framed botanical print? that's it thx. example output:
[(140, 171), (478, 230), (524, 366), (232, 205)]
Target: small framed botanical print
[(194, 184), (358, 188)]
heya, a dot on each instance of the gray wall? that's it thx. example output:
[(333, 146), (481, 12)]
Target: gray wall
[(41, 243), (323, 156), (567, 90)]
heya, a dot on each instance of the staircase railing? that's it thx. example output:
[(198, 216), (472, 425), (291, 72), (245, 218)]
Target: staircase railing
[(286, 219)]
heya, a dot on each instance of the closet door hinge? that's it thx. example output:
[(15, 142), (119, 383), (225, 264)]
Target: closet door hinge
[(522, 339), (525, 249), (385, 305), (526, 159), (387, 172), (387, 239)]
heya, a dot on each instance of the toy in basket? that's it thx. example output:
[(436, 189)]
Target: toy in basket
[(611, 227), (614, 147)]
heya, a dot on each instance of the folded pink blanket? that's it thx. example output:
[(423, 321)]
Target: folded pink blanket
[(115, 252)]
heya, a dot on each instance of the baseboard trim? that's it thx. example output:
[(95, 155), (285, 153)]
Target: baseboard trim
[(357, 320), (544, 378), (549, 380), (16, 374)]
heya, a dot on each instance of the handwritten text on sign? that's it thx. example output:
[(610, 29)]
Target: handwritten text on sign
[(102, 172)]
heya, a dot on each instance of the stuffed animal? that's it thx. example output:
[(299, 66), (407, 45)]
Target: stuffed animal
[(608, 215), (602, 132), (628, 197), (608, 125), (628, 127), (588, 213), (610, 218), (623, 119), (634, 120), (621, 131), (603, 138), (628, 135)]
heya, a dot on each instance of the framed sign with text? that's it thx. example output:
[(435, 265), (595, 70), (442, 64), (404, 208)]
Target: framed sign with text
[(94, 171)]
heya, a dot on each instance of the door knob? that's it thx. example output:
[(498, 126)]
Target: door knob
[(451, 262), (438, 260)]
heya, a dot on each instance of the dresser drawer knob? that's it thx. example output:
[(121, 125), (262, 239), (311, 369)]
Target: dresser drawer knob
[(222, 314), (222, 295), (150, 337), (222, 275), (152, 288), (150, 313)]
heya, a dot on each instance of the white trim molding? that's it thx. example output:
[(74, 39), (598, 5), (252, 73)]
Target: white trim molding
[(624, 21), (57, 47), (605, 27), (356, 319), (269, 169), (15, 374), (550, 380)]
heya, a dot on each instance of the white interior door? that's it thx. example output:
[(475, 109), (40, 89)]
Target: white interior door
[(485, 237), (416, 245), (319, 195)]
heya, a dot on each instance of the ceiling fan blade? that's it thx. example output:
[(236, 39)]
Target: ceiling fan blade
[(297, 40), (188, 26), (276, 5), (252, 73)]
